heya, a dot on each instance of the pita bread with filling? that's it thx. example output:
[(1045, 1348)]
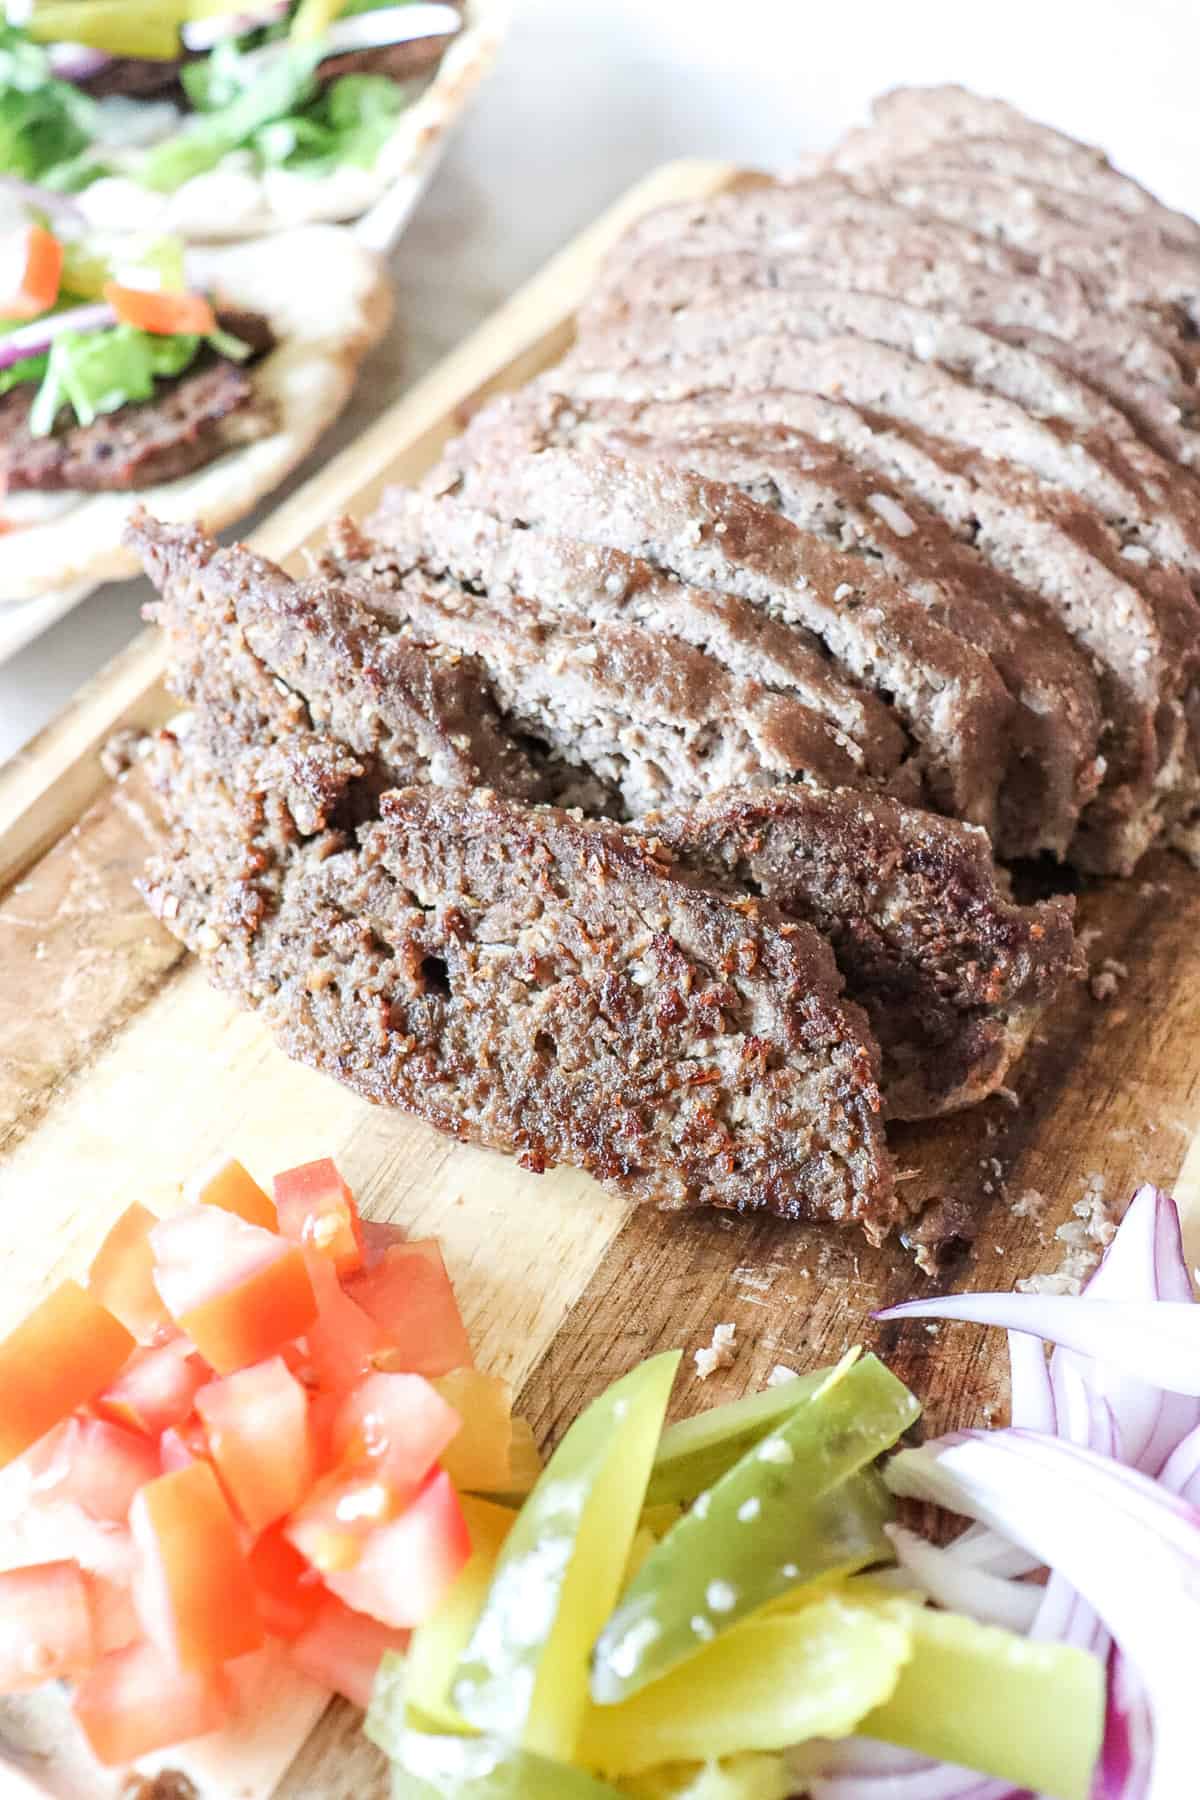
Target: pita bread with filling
[(328, 300), (234, 200)]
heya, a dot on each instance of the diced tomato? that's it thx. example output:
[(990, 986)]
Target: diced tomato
[(114, 1617), (182, 1444), (157, 1387), (239, 1292), (334, 1521), (122, 1275), (63, 1354), (342, 1650), (317, 1209), (407, 1565), (98, 1466), (398, 1424), (45, 1625), (408, 1294), (480, 1457), (133, 1701), (193, 1589), (225, 1183), (256, 1422), (287, 1589), (150, 309), (33, 260), (379, 1235), (343, 1341)]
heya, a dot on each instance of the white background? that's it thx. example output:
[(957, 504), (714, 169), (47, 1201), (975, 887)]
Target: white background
[(592, 93)]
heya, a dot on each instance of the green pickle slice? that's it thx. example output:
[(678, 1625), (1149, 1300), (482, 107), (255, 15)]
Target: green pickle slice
[(524, 1673), (785, 1514), (697, 1451), (436, 1767)]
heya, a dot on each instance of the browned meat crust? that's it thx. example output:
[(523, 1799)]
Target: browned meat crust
[(952, 975)]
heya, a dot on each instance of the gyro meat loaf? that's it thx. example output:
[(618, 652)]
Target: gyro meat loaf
[(952, 975), (543, 986)]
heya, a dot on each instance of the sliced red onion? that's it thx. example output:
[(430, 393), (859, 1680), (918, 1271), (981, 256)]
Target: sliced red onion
[(202, 34), (992, 1599), (62, 208), (75, 62), (1031, 1397), (32, 339), (862, 1769), (1129, 1547), (1155, 1341)]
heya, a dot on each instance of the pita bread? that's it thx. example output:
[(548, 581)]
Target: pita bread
[(329, 300), (235, 201)]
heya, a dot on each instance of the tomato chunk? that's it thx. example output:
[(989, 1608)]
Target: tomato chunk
[(63, 1354), (408, 1294), (343, 1341), (93, 1464), (182, 1444), (150, 309), (407, 1564), (33, 261), (193, 1589), (226, 1184), (157, 1387), (400, 1424), (342, 1650), (45, 1625), (122, 1275), (114, 1617), (256, 1423), (239, 1292), (317, 1209), (134, 1701), (288, 1591)]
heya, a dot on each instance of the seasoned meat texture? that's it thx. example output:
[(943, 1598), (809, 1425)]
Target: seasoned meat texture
[(410, 61), (269, 660), (656, 719), (1109, 602), (544, 986), (137, 78), (1053, 770), (190, 421), (946, 691), (952, 975)]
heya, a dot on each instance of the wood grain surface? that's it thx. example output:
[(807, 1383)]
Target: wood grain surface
[(121, 1072)]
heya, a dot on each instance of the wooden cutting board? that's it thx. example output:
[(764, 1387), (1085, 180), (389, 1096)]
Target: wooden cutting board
[(121, 1072)]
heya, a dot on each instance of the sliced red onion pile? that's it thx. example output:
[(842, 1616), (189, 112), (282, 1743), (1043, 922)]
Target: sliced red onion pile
[(1096, 1481)]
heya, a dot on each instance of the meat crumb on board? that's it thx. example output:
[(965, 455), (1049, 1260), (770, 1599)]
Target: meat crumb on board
[(719, 1354), (1106, 981)]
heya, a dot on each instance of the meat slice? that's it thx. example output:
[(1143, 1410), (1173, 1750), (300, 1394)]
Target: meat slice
[(952, 975), (543, 986), (946, 691), (655, 719), (191, 420), (1053, 771), (267, 659)]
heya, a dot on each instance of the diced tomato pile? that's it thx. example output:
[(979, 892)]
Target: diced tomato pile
[(236, 1432)]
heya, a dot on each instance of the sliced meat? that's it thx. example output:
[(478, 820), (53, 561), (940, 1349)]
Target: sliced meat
[(192, 419), (1148, 503), (1053, 771), (410, 61), (946, 691), (908, 120), (952, 975), (569, 578), (1060, 554), (545, 987), (655, 720), (265, 658)]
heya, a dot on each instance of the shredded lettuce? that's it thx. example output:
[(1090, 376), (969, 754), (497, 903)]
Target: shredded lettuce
[(349, 123), (44, 123), (99, 372), (228, 123)]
